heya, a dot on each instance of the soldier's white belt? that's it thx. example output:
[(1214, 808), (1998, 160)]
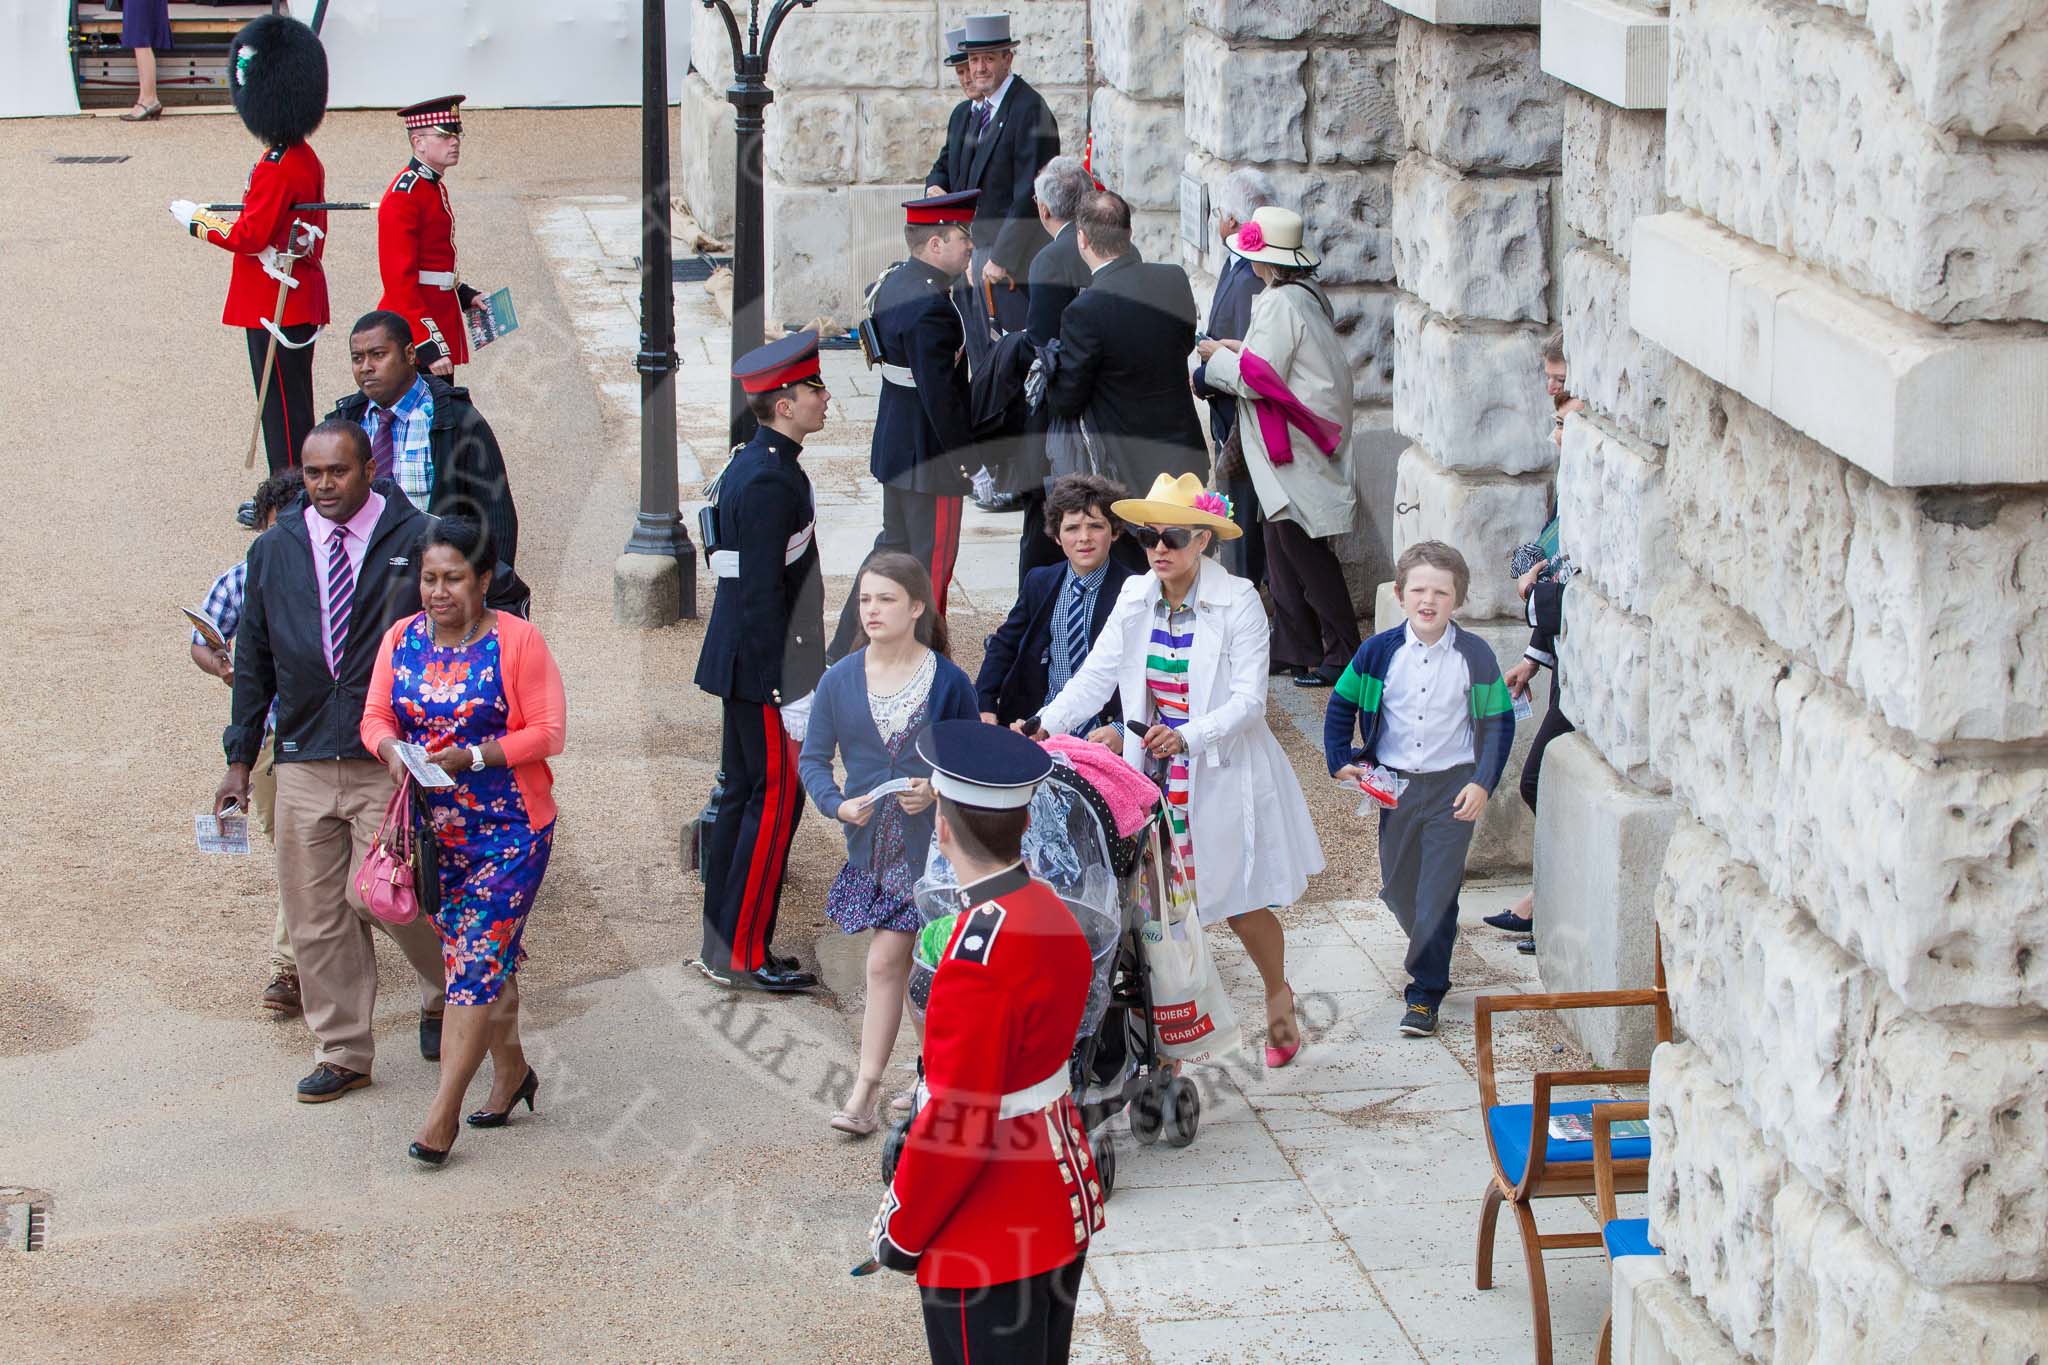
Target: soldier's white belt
[(1033, 1098), (438, 279), (898, 374), (726, 563)]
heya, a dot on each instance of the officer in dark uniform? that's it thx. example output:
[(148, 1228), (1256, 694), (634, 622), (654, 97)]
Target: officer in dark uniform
[(763, 653), (923, 425), (996, 1197)]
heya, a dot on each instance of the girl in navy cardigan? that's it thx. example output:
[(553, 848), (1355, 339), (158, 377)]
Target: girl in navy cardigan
[(870, 708)]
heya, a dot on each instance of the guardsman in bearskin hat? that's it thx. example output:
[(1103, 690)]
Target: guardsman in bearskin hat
[(923, 420), (416, 239), (762, 654), (996, 1196), (277, 292)]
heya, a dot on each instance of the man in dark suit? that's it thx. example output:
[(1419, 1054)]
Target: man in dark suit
[(923, 423), (1245, 190), (1057, 272), (1061, 609), (1124, 343), (997, 143), (762, 656)]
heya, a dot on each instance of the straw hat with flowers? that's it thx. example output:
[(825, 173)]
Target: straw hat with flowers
[(1180, 501)]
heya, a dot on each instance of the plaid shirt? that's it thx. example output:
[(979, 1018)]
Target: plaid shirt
[(1059, 666), (412, 456), (224, 604)]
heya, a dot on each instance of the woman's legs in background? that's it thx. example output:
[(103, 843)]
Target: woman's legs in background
[(467, 1033), (508, 1053), (145, 73), (882, 1018), (1265, 942)]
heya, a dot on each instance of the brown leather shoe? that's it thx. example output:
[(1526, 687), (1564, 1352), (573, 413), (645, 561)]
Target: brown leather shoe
[(330, 1082), (282, 994)]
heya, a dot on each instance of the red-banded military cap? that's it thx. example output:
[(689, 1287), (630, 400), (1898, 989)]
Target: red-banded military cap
[(791, 360), (957, 207), (444, 113)]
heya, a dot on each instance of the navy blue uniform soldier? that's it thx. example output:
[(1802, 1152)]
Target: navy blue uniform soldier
[(763, 653), (922, 453)]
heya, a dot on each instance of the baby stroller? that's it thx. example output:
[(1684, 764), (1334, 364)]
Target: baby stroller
[(1112, 885)]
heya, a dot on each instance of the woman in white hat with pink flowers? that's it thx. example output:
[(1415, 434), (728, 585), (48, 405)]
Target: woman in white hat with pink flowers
[(1293, 380), (1184, 649)]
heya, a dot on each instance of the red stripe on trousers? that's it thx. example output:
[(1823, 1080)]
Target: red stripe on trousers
[(771, 841), (966, 1348), (945, 547)]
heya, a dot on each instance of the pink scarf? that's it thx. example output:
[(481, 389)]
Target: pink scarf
[(1278, 409)]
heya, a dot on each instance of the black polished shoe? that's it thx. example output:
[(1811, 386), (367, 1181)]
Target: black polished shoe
[(421, 1152), (330, 1082), (784, 964), (430, 1036), (246, 514), (1509, 922), (770, 979), (498, 1118), (1309, 677)]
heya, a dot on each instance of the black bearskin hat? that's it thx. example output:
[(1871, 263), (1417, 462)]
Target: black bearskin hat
[(277, 71)]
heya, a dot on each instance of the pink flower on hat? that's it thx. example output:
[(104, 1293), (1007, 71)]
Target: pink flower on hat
[(1214, 503), (1250, 238)]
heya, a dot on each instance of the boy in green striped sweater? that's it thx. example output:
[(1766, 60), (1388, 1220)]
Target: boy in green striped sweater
[(1426, 701)]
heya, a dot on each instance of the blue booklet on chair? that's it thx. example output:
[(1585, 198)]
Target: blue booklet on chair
[(1579, 1128)]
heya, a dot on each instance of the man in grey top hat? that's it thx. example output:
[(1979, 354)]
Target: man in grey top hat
[(996, 141), (956, 57)]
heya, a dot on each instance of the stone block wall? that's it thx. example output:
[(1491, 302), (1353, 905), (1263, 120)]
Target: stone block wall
[(1812, 365), (1307, 90), (861, 102)]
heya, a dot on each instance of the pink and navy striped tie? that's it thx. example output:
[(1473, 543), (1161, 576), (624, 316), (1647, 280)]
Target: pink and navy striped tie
[(341, 592)]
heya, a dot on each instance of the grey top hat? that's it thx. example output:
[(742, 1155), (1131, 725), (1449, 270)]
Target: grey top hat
[(986, 32), (955, 54)]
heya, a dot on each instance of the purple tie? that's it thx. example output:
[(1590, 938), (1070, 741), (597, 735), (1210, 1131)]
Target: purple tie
[(381, 458), (981, 113), (341, 591)]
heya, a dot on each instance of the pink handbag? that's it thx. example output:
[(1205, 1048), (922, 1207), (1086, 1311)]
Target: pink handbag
[(387, 880)]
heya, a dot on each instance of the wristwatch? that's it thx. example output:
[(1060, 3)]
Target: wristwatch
[(476, 758)]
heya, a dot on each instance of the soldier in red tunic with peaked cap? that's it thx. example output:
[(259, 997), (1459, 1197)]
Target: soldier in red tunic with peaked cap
[(996, 1197), (416, 239)]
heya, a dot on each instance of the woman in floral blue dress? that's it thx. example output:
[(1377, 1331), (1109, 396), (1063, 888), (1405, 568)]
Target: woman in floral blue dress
[(479, 690)]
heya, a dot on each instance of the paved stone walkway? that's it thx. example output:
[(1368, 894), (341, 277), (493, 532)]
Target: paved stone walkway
[(1327, 1211)]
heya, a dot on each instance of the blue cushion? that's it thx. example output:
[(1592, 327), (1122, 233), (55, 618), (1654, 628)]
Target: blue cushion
[(1510, 1126), (1628, 1237)]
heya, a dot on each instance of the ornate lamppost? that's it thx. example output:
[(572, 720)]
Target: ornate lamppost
[(658, 529), (749, 95)]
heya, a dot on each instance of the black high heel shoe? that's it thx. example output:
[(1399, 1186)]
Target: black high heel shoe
[(419, 1151), (487, 1118)]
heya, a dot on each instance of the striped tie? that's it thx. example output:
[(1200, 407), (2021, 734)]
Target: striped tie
[(1077, 628), (981, 113), (341, 592)]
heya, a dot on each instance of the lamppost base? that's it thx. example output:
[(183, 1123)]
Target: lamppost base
[(649, 591)]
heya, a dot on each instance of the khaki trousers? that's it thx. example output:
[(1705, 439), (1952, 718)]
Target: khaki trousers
[(327, 817), (263, 805)]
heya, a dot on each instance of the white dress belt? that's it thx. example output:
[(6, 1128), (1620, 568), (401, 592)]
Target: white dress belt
[(899, 375), (726, 563), (438, 279), (1033, 1098)]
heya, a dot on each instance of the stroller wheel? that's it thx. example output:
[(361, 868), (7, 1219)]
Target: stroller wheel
[(1104, 1146), (1183, 1112), (1148, 1109), (892, 1148)]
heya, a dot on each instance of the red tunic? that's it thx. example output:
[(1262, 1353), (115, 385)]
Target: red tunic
[(979, 1198), (282, 177), (415, 237)]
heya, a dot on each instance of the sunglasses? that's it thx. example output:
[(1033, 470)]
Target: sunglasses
[(1174, 537)]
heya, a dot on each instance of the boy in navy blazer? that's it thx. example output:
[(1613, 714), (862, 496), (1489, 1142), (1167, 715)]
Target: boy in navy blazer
[(1060, 610)]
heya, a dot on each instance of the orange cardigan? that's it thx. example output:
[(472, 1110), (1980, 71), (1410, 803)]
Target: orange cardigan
[(537, 716)]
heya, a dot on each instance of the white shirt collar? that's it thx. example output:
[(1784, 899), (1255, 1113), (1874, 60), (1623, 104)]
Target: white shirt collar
[(995, 101), (1450, 633)]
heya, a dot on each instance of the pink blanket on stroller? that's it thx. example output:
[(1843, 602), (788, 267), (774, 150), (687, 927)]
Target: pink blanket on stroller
[(1129, 792)]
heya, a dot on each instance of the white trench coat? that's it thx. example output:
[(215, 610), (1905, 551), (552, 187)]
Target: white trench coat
[(1255, 844)]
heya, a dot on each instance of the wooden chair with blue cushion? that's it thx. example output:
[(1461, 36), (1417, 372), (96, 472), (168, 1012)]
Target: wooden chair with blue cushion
[(1620, 1236), (1560, 1168)]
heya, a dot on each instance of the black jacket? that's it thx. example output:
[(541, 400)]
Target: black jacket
[(469, 469), (766, 640), (922, 434), (278, 649), (1057, 274), (1021, 138), (1016, 668), (1124, 343), (1230, 312)]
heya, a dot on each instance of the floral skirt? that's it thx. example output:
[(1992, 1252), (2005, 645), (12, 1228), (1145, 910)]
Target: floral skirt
[(486, 890), (856, 901)]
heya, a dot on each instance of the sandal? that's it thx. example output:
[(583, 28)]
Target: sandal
[(857, 1125)]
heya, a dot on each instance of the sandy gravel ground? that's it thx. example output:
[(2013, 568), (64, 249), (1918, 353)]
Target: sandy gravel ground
[(678, 1197)]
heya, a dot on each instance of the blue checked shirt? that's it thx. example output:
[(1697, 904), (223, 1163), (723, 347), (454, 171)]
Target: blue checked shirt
[(224, 604), (1059, 668), (412, 455)]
